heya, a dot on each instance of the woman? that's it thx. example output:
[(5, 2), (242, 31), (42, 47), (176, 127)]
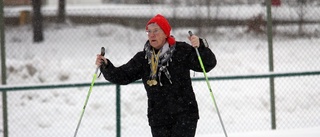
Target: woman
[(164, 67)]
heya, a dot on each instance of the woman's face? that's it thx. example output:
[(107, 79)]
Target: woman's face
[(157, 38)]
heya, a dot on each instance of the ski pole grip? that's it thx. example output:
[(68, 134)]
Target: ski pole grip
[(103, 51), (190, 33)]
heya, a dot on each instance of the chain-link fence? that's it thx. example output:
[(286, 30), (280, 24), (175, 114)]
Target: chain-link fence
[(236, 34)]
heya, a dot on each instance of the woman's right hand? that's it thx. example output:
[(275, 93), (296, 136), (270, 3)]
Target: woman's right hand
[(100, 59)]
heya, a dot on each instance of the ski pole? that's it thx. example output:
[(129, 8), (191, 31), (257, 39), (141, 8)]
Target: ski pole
[(208, 84), (88, 95)]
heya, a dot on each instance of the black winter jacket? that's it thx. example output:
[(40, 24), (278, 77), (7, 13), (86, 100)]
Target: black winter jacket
[(168, 101)]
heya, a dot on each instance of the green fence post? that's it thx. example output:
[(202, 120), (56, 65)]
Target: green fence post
[(118, 111), (270, 49), (3, 73)]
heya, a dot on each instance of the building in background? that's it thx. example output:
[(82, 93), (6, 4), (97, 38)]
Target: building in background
[(16, 2), (21, 2), (276, 2)]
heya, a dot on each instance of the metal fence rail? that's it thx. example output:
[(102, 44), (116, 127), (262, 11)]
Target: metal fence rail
[(217, 78)]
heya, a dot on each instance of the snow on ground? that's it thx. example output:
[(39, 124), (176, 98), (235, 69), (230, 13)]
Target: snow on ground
[(308, 132)]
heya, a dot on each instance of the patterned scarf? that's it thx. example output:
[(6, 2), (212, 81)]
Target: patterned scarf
[(163, 61)]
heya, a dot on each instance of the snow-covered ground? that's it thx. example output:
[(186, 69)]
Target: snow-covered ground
[(68, 53), (308, 132)]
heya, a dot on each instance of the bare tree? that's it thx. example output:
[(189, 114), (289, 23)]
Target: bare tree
[(301, 13), (208, 3), (62, 11), (37, 21)]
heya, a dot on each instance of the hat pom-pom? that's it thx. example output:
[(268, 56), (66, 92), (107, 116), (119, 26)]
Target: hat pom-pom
[(171, 40)]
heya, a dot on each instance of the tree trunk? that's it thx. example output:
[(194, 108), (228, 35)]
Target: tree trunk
[(62, 11), (37, 21)]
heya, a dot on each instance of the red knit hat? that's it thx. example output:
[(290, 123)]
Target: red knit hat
[(164, 25)]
